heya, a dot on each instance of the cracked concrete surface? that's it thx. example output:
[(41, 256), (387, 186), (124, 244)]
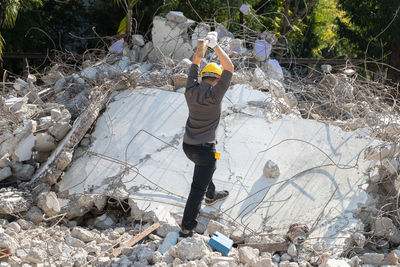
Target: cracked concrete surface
[(320, 184)]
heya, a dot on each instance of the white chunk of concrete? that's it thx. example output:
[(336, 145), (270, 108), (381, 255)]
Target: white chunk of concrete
[(137, 39), (248, 254), (262, 50), (48, 203), (176, 16), (23, 150), (274, 70), (245, 9), (44, 142), (59, 130), (290, 198)]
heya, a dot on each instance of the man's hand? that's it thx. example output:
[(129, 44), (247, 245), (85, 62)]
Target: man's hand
[(212, 38)]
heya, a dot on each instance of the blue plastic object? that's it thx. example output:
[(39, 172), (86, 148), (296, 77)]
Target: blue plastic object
[(221, 243)]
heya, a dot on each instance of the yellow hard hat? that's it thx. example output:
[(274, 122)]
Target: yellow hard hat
[(211, 70)]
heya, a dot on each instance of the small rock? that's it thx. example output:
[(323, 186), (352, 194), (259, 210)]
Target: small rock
[(391, 259), (48, 203), (285, 257), (372, 258), (63, 160), (335, 263), (104, 222), (25, 225), (137, 39), (164, 229), (60, 130), (176, 16), (7, 241), (74, 242), (55, 114), (14, 227), (271, 169), (326, 68), (44, 142), (276, 258), (248, 254), (36, 255), (292, 250), (23, 150), (103, 261), (83, 234), (23, 172)]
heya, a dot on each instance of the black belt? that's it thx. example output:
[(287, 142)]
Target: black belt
[(205, 145)]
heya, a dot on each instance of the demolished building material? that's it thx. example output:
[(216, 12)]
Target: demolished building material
[(130, 172)]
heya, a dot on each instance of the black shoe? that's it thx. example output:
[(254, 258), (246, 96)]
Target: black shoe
[(219, 195), (182, 234)]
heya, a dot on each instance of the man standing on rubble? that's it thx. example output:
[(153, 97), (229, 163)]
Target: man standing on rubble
[(204, 103)]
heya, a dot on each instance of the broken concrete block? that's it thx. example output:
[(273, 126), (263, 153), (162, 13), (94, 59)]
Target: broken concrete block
[(45, 123), (74, 242), (44, 142), (137, 39), (41, 157), (171, 39), (89, 73), (14, 202), (23, 150), (117, 46), (292, 250), (200, 32), (14, 227), (63, 160), (20, 85), (245, 9), (176, 16), (384, 227), (104, 222), (274, 70), (248, 254), (22, 171), (60, 130), (7, 241), (25, 225), (5, 173), (326, 68), (5, 161), (179, 80), (34, 215), (271, 169), (83, 234), (262, 49), (286, 257), (48, 203), (55, 114), (372, 258), (190, 248)]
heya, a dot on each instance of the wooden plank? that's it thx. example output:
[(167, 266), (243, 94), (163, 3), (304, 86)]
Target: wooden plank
[(4, 253), (136, 239), (268, 247)]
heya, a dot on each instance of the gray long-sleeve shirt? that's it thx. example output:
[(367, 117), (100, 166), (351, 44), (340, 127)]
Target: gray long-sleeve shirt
[(204, 103)]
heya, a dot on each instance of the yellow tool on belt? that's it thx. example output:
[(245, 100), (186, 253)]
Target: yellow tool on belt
[(217, 155)]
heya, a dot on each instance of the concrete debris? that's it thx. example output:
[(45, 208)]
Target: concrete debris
[(48, 203), (45, 140), (384, 227), (271, 169), (326, 68), (248, 254), (13, 201), (191, 248), (372, 258)]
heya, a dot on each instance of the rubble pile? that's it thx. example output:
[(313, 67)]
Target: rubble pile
[(43, 128)]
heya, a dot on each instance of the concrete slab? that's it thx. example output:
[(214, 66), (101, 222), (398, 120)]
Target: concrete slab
[(321, 174)]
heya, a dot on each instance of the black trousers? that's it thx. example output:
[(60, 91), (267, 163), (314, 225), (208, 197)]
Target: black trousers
[(203, 156)]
